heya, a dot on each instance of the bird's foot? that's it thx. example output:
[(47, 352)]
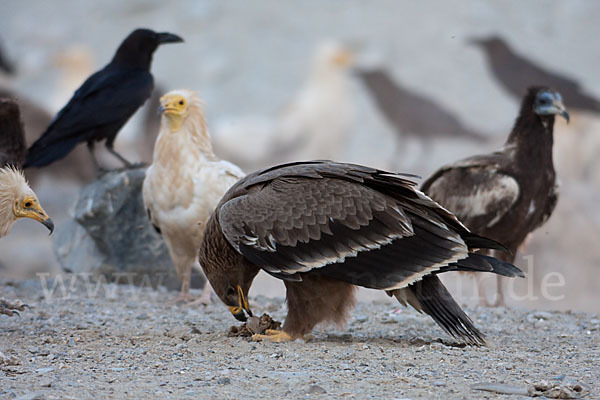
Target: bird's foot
[(183, 298), (498, 302), (204, 299), (101, 171), (273, 335), (11, 308), (134, 165)]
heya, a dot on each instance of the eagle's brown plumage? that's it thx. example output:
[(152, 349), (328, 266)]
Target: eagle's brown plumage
[(12, 138), (324, 228), (507, 194)]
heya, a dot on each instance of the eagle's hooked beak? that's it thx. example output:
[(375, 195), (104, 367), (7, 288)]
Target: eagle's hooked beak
[(238, 311)]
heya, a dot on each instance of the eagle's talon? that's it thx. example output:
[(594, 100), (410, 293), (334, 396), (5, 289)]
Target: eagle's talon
[(273, 335)]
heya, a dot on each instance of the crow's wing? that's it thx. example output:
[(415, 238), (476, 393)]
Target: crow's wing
[(106, 100)]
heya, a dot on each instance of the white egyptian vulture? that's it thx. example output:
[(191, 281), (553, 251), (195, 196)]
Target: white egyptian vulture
[(185, 182), (17, 200)]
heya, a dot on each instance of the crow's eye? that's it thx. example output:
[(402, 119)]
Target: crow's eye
[(231, 291)]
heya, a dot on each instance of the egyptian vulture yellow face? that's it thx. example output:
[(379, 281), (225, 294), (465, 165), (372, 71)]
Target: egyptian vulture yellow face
[(17, 200), (28, 206), (174, 106)]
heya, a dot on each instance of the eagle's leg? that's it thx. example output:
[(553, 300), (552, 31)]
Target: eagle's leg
[(11, 308), (313, 300)]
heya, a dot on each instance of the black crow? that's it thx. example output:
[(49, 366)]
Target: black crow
[(509, 193), (104, 103), (516, 73)]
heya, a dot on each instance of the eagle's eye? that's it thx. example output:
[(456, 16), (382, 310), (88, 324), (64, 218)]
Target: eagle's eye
[(28, 204), (231, 291)]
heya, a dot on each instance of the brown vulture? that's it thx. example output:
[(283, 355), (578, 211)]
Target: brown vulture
[(509, 193), (324, 228), (516, 73), (104, 102)]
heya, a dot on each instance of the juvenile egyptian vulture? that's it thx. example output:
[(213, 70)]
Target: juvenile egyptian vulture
[(17, 200), (507, 194), (185, 182), (325, 228)]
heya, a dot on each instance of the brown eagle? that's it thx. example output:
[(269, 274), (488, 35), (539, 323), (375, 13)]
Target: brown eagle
[(325, 228), (509, 193)]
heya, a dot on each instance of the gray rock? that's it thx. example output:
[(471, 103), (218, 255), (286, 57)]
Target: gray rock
[(111, 235)]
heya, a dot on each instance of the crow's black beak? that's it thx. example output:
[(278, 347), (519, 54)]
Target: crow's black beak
[(166, 37)]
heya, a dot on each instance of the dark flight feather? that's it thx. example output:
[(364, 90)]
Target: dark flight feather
[(104, 102)]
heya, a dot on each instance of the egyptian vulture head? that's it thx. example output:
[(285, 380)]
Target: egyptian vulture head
[(17, 200)]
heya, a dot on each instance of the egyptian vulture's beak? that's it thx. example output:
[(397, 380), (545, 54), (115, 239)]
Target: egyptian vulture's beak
[(168, 106), (166, 37), (344, 58), (31, 208), (238, 311)]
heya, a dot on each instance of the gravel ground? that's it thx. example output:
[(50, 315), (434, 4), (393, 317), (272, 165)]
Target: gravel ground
[(124, 342)]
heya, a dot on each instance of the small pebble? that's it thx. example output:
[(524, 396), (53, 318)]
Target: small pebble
[(316, 389)]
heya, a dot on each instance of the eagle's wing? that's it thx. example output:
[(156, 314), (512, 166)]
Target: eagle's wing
[(339, 228), (475, 191)]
